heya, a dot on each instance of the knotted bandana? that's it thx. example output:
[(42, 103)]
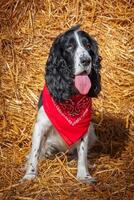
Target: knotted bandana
[(71, 118)]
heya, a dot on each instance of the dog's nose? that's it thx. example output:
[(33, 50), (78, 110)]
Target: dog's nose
[(85, 61)]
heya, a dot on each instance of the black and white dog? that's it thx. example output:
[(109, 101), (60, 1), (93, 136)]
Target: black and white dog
[(73, 54)]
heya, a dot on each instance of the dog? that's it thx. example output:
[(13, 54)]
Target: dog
[(72, 79)]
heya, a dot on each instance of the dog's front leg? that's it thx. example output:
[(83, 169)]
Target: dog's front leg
[(82, 168), (40, 130)]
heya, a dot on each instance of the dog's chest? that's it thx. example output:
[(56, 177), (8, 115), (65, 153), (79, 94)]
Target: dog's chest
[(71, 118), (74, 109)]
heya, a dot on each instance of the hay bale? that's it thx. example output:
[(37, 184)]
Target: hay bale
[(27, 31)]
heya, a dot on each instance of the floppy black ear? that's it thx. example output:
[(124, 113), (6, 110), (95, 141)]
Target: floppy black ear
[(58, 73), (95, 72)]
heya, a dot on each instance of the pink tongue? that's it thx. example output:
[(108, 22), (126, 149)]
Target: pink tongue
[(82, 83)]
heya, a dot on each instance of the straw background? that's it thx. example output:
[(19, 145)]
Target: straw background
[(27, 30)]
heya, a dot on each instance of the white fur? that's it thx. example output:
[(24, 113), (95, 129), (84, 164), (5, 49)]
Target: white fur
[(40, 131), (45, 136), (80, 52), (82, 149)]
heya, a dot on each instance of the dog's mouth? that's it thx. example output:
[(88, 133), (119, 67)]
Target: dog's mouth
[(82, 83)]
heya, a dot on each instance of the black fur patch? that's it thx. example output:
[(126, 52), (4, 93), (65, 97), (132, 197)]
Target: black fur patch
[(60, 66)]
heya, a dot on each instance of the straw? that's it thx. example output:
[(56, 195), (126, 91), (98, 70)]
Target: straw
[(27, 30)]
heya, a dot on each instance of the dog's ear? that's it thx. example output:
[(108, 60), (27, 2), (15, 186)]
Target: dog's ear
[(58, 73), (95, 72)]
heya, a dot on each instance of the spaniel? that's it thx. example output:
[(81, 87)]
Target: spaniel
[(65, 106)]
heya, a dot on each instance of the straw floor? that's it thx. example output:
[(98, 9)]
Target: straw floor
[(27, 30)]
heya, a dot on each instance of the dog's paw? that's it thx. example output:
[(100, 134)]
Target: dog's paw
[(27, 177), (87, 179)]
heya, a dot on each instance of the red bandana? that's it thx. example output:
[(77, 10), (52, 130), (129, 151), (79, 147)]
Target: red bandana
[(71, 118)]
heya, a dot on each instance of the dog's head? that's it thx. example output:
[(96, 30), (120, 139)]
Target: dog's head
[(73, 59)]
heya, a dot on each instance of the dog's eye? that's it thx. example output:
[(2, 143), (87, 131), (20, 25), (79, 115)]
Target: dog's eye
[(87, 45), (70, 47)]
